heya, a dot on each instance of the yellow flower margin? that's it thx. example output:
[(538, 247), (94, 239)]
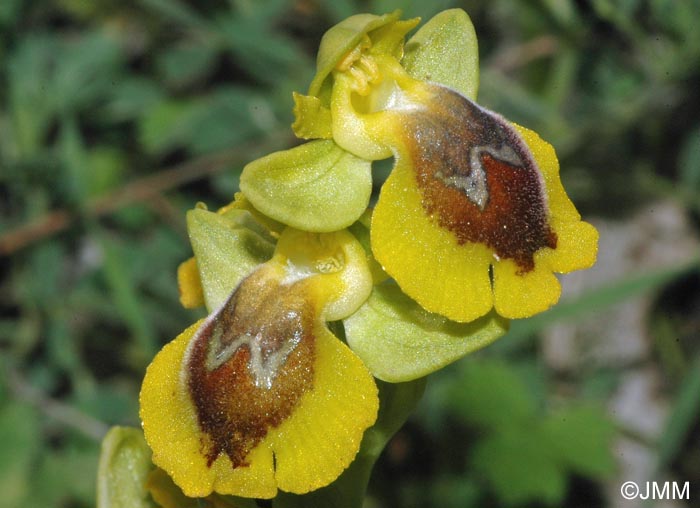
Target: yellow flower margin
[(452, 279), (321, 436)]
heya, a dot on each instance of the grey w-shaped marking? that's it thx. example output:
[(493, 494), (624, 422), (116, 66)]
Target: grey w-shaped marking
[(264, 363), (474, 184)]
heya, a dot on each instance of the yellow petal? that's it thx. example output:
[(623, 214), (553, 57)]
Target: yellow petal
[(352, 130), (189, 284), (318, 441), (560, 206), (172, 431), (465, 194), (323, 436), (316, 186), (164, 493), (312, 118), (425, 260), (577, 247), (336, 261), (577, 241), (519, 295), (260, 395)]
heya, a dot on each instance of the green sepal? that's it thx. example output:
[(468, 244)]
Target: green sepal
[(398, 340), (125, 462), (317, 186), (342, 38), (228, 247), (445, 51), (312, 120)]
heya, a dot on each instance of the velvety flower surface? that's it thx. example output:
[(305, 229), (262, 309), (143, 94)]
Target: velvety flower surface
[(459, 258), (260, 395)]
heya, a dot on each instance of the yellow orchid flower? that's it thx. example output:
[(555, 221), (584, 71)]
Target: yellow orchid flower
[(260, 395), (473, 215)]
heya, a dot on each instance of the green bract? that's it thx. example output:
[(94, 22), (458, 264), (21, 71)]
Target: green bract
[(125, 463), (399, 341), (227, 247)]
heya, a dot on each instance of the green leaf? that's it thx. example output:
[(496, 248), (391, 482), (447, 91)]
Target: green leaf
[(445, 51), (20, 439), (74, 158), (125, 295), (212, 122), (124, 464), (262, 52), (85, 71), (66, 473), (107, 166), (9, 12), (178, 12), (31, 108), (132, 98), (689, 161), (226, 117), (491, 395), (411, 8), (316, 186), (185, 63), (227, 248), (452, 491), (685, 414), (166, 125), (398, 340), (519, 466), (339, 9), (581, 437)]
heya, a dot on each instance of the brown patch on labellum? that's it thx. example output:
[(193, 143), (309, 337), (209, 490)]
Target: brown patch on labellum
[(249, 364), (478, 178)]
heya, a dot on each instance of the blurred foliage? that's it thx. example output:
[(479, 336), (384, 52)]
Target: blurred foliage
[(519, 448), (116, 117)]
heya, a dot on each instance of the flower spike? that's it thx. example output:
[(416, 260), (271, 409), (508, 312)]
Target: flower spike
[(467, 232)]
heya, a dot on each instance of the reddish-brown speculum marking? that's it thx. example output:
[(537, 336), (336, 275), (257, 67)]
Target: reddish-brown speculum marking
[(512, 219), (233, 410)]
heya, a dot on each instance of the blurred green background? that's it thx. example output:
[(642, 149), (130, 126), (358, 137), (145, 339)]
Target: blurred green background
[(118, 116)]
